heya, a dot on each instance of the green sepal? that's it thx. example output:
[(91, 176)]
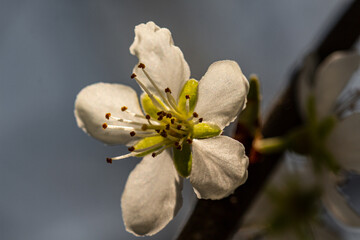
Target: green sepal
[(249, 118), (190, 88), (148, 142), (149, 107), (205, 130), (183, 160)]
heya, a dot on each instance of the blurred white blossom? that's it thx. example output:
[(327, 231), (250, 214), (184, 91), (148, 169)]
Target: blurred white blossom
[(342, 141)]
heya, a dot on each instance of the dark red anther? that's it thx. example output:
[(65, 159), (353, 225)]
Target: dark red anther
[(131, 149), (133, 76), (109, 160), (132, 133), (141, 65)]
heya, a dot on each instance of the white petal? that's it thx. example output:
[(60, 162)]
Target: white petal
[(219, 166), (331, 78), (337, 205), (94, 101), (152, 195), (344, 142), (222, 93), (164, 61)]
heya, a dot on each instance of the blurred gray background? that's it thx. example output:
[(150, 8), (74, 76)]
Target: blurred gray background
[(54, 181)]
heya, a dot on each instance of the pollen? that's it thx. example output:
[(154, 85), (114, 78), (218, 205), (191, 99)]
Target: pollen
[(163, 133), (131, 149), (104, 126), (132, 133), (141, 65), (124, 108), (109, 160), (107, 116)]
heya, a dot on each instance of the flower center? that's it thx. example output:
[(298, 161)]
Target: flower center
[(167, 123)]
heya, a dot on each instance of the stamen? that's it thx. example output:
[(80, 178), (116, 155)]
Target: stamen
[(131, 149), (172, 101), (161, 150), (107, 116), (126, 128), (110, 160), (133, 76), (200, 120), (189, 141), (187, 96), (168, 115), (124, 108), (167, 127), (172, 120), (153, 99), (142, 66), (178, 127), (147, 116), (195, 114), (132, 133), (104, 126), (167, 90), (125, 120)]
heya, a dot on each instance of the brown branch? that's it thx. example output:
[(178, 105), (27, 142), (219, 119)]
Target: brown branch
[(220, 219)]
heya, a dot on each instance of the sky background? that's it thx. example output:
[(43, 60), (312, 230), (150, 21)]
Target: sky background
[(54, 181)]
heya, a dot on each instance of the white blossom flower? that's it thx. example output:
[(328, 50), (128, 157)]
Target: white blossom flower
[(343, 139), (177, 133)]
